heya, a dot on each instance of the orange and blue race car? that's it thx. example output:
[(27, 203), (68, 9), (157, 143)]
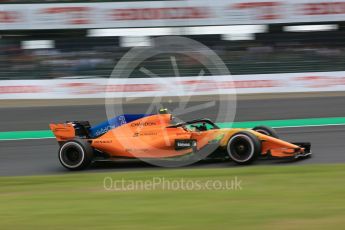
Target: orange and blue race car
[(158, 136)]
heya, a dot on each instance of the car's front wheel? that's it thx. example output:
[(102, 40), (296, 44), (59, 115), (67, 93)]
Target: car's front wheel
[(75, 154), (244, 147), (266, 131)]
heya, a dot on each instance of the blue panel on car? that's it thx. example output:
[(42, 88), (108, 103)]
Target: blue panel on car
[(112, 123)]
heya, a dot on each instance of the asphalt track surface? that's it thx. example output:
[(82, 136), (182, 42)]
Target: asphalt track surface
[(37, 157)]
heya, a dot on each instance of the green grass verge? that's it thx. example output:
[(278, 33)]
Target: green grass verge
[(278, 197)]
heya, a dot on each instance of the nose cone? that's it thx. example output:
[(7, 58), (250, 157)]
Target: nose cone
[(276, 142)]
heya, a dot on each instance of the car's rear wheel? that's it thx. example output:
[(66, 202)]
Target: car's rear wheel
[(266, 131), (75, 154), (244, 148)]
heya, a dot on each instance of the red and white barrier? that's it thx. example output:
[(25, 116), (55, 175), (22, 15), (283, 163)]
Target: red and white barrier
[(167, 13), (172, 86)]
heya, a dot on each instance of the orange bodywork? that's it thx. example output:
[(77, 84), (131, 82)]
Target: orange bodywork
[(155, 137)]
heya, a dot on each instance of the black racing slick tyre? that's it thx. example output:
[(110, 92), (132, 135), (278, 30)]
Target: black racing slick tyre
[(76, 154), (267, 131), (243, 148)]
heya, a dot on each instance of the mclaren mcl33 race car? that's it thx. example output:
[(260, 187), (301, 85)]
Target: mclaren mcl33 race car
[(157, 136)]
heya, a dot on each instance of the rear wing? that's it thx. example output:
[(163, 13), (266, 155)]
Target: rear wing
[(63, 132), (70, 130)]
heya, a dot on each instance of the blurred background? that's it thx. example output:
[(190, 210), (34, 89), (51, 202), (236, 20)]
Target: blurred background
[(85, 39)]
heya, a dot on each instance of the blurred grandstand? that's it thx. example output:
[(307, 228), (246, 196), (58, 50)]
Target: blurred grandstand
[(77, 55)]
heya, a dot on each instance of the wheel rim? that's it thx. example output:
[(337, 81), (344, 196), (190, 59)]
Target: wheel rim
[(241, 148), (71, 155)]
